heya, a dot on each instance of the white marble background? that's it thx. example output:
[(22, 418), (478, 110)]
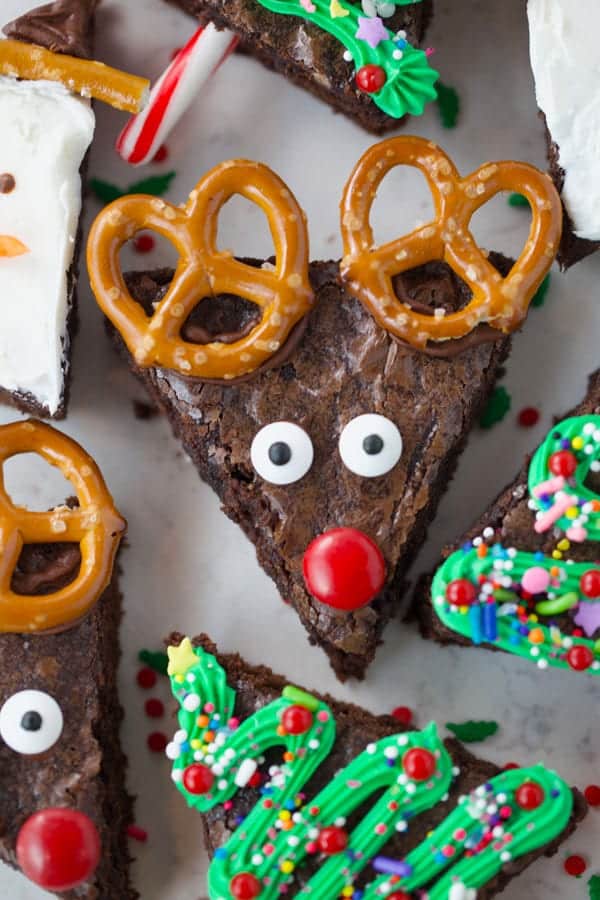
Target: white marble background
[(187, 566)]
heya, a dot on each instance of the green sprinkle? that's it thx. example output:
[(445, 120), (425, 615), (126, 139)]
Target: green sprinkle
[(558, 605), (295, 695), (594, 887), (517, 200), (497, 407), (105, 191), (156, 185), (155, 660), (505, 596), (448, 105), (540, 295), (472, 731)]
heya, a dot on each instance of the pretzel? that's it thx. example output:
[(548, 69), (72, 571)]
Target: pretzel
[(95, 525), (283, 292), (368, 271)]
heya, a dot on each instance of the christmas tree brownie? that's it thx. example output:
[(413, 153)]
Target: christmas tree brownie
[(305, 796), (525, 578), (64, 807)]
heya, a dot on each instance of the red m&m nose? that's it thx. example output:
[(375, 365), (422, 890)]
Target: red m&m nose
[(58, 848), (344, 568)]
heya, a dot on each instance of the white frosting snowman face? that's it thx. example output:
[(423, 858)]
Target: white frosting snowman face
[(46, 132)]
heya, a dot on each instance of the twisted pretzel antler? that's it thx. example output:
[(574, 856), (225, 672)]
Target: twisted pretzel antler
[(283, 293), (501, 302), (95, 525)]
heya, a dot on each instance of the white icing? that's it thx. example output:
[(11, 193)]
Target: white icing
[(566, 65), (46, 131)]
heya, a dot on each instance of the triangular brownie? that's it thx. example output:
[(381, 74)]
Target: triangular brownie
[(303, 795), (344, 366), (525, 578), (364, 59), (62, 769)]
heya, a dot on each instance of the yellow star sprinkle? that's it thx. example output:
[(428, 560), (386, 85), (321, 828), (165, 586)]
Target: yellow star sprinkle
[(181, 658), (337, 11)]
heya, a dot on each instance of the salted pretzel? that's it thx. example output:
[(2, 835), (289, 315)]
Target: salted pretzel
[(368, 271), (95, 525), (282, 291)]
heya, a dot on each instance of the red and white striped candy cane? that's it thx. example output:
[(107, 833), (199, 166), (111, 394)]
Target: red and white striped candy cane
[(173, 92)]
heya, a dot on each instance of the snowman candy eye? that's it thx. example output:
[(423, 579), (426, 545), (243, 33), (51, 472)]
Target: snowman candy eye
[(7, 183), (281, 452), (30, 722), (370, 445)]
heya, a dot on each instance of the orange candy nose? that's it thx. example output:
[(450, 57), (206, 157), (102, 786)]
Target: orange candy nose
[(11, 246)]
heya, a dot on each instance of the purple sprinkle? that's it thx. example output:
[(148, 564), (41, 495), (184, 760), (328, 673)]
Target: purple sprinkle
[(392, 866)]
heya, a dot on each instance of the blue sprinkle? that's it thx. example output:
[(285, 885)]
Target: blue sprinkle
[(554, 793), (221, 853), (401, 43), (538, 555), (392, 866), (565, 444)]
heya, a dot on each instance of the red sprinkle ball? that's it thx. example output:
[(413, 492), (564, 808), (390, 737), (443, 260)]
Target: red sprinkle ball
[(590, 583), (154, 708), (332, 840), (370, 78), (419, 764), (146, 678), (157, 742), (403, 714), (245, 886), (592, 794), (580, 657), (510, 765), (461, 592), (575, 865), (198, 779), (530, 795), (528, 417), (297, 719), (144, 243), (563, 462)]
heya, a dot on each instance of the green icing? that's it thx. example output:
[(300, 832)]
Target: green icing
[(410, 80), (280, 831)]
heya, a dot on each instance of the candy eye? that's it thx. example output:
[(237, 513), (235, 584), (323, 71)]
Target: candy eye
[(281, 452), (370, 445), (30, 722), (7, 183)]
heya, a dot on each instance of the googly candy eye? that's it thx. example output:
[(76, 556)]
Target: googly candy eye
[(370, 445), (30, 722), (281, 453)]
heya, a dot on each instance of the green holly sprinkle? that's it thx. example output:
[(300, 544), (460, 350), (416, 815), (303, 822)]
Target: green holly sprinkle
[(154, 660), (472, 731), (156, 185), (594, 887), (497, 407), (517, 200), (448, 105), (540, 295)]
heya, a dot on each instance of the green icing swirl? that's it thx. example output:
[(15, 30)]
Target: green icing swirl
[(580, 435), (410, 80), (280, 831)]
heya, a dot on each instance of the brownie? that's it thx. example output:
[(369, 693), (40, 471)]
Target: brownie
[(65, 26), (256, 686), (85, 768), (344, 365), (306, 54), (509, 521)]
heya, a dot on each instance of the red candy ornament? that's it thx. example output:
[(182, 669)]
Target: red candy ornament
[(580, 657), (530, 795), (370, 78), (461, 592), (344, 568), (589, 583), (58, 849), (563, 462), (419, 764), (332, 840), (198, 779), (245, 886), (297, 719)]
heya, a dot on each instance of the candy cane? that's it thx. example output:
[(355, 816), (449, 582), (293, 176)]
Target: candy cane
[(173, 92)]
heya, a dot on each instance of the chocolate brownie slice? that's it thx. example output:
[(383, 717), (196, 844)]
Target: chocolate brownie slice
[(84, 769), (311, 57), (537, 568), (40, 271), (238, 808), (343, 366)]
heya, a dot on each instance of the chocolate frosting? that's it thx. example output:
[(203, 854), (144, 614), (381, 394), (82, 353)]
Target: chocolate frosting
[(45, 569), (64, 26)]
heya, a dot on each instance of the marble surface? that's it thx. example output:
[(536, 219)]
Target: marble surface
[(187, 566)]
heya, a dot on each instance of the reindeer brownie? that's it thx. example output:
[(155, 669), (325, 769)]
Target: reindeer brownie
[(326, 403), (363, 58), (525, 579), (303, 796), (63, 802), (46, 80)]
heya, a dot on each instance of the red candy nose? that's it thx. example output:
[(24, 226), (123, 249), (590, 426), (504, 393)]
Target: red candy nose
[(344, 568), (58, 848)]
